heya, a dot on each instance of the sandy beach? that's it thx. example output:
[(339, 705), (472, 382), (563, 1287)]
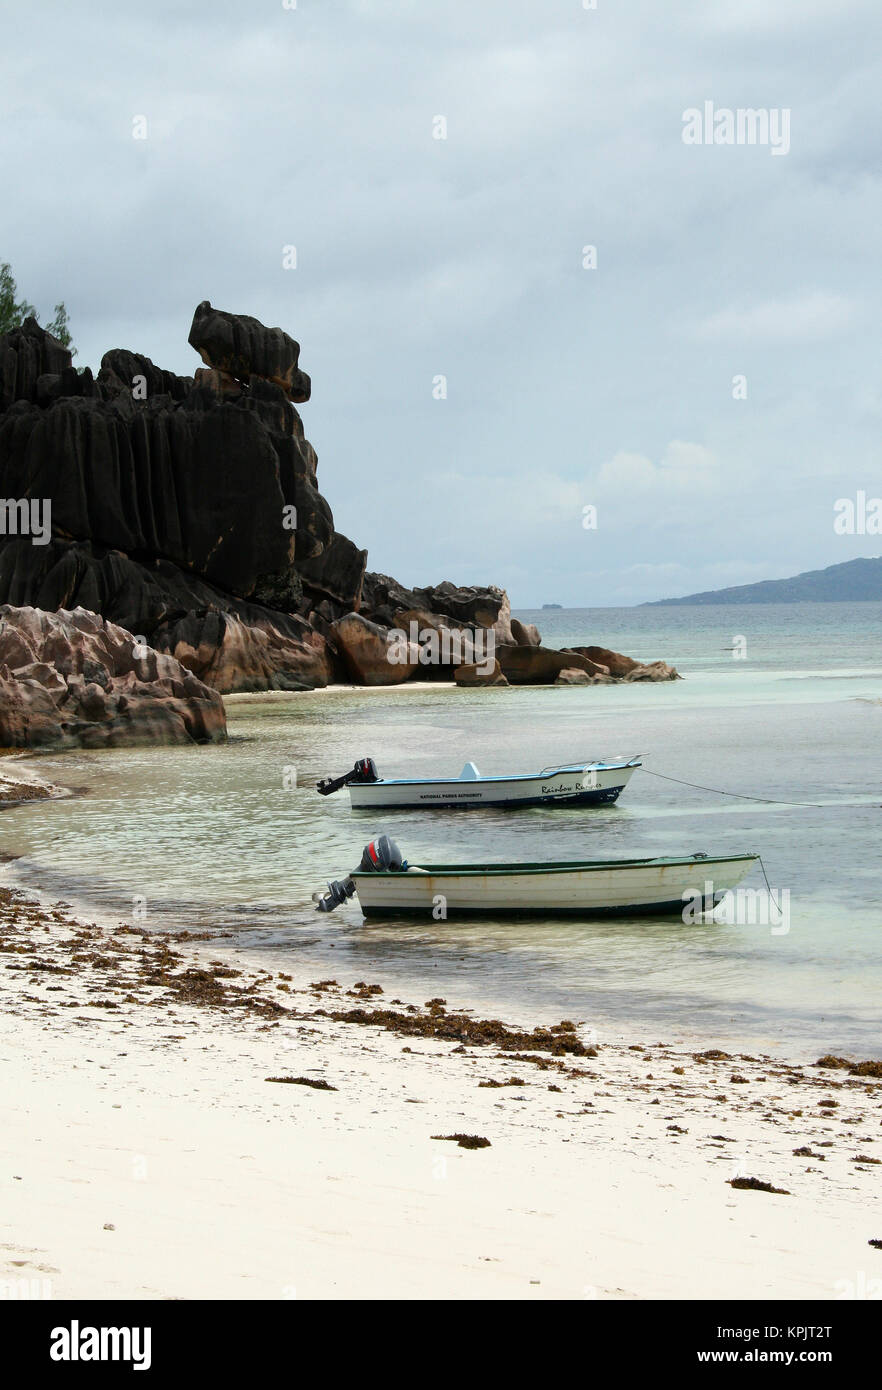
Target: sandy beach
[(146, 1154)]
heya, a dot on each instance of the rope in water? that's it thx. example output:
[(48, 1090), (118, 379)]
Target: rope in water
[(766, 877), (742, 796)]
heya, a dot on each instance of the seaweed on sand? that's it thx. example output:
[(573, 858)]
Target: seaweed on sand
[(833, 1063), (757, 1185), (316, 1083), (466, 1141), (559, 1040)]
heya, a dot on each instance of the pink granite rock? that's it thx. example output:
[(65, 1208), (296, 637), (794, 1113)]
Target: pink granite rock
[(73, 680)]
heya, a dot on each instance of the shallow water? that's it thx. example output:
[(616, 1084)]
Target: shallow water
[(212, 837)]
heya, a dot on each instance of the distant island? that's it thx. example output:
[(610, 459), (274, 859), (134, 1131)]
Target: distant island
[(853, 581), (552, 605)]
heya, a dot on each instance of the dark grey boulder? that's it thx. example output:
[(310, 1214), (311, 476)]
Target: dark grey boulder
[(243, 346)]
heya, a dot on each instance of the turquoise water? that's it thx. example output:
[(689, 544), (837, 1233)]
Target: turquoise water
[(212, 836), (827, 637)]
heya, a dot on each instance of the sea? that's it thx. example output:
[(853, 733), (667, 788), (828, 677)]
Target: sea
[(771, 742)]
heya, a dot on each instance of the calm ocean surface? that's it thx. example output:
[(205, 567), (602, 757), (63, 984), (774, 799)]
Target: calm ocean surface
[(210, 836)]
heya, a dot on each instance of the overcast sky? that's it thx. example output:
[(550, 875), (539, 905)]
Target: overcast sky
[(420, 257)]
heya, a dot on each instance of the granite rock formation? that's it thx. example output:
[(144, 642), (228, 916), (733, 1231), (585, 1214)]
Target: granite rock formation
[(74, 680), (365, 648), (474, 674), (241, 347), (625, 668), (523, 665), (187, 511)]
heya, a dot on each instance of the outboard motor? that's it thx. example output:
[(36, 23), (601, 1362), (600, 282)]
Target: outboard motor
[(365, 770), (380, 856), (338, 892)]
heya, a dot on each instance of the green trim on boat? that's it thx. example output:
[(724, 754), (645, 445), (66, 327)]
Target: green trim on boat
[(557, 866)]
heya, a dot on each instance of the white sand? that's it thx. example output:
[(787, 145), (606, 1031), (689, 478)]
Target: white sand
[(244, 697), (156, 1120)]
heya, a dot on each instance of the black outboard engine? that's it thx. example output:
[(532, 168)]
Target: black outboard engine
[(365, 770), (380, 856)]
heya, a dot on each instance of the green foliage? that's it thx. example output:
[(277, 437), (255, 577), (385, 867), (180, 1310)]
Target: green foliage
[(13, 312), (59, 327)]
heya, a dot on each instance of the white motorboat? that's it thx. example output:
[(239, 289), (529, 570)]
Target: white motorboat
[(386, 885), (586, 784)]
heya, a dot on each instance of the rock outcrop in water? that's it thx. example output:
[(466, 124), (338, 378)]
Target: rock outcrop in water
[(624, 668), (186, 510), (74, 680)]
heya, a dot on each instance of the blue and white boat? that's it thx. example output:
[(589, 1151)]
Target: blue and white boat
[(568, 784)]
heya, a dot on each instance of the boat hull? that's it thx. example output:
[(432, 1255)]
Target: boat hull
[(577, 786), (590, 890)]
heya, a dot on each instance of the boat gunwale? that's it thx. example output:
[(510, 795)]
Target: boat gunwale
[(552, 867), (543, 774)]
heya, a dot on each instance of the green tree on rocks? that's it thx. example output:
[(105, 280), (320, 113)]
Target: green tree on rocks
[(13, 311)]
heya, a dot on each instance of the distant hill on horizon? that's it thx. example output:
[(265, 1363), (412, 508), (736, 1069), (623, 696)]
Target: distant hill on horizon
[(852, 581)]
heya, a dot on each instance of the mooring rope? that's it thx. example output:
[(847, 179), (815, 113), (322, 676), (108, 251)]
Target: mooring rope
[(766, 877), (742, 796)]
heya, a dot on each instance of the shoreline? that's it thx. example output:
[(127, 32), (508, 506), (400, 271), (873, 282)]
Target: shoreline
[(234, 943), (25, 783), (240, 696), (136, 1075)]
